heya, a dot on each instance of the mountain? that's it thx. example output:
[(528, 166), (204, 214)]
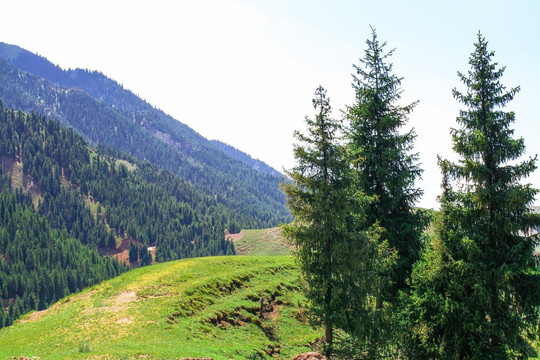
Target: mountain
[(92, 192), (63, 201), (246, 159), (39, 264), (218, 307), (107, 114)]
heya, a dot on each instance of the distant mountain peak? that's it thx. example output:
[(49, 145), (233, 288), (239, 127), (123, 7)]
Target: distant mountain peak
[(10, 52), (256, 164)]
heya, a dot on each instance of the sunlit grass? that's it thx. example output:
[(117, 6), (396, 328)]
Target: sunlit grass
[(206, 307), (265, 242)]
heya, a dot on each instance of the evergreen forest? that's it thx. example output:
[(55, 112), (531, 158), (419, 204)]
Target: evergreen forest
[(39, 264), (97, 198)]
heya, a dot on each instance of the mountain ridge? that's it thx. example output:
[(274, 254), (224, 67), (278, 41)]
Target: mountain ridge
[(114, 116), (246, 158), (88, 81)]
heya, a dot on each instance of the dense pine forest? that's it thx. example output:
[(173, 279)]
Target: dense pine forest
[(130, 198), (87, 200), (105, 113), (38, 264)]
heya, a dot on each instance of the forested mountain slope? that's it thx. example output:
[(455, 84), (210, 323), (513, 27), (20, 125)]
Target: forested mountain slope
[(130, 198), (72, 201), (105, 113), (38, 264)]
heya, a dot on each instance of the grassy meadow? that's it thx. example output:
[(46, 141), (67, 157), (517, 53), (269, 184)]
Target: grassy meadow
[(263, 242), (204, 307)]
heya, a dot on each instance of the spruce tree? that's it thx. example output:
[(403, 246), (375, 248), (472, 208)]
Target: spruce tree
[(133, 252), (388, 174), (338, 255), (476, 292), (389, 170)]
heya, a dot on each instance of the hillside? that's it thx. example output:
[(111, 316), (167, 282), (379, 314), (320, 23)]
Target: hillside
[(80, 200), (261, 242), (94, 193), (39, 264), (208, 307), (105, 113)]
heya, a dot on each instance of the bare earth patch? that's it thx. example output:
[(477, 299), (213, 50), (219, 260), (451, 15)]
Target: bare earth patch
[(36, 315), (234, 237), (125, 297), (125, 320), (19, 179), (120, 253), (310, 356)]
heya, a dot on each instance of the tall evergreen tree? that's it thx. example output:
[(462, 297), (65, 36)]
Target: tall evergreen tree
[(133, 252), (477, 291), (389, 170), (338, 255)]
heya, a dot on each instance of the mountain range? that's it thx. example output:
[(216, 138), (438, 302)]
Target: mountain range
[(105, 113)]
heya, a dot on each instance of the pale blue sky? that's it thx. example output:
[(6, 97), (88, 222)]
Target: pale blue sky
[(244, 72)]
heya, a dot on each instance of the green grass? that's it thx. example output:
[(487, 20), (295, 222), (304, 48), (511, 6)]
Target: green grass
[(265, 242), (129, 166), (19, 180), (205, 307)]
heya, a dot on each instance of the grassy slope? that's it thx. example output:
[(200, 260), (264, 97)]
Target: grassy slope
[(265, 242), (205, 307)]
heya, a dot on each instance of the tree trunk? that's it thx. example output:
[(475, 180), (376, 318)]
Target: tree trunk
[(329, 339)]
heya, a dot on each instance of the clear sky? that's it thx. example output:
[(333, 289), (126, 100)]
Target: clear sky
[(244, 72)]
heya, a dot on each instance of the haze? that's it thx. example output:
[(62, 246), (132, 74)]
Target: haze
[(244, 72)]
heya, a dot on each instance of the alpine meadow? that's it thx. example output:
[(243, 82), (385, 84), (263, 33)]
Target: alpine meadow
[(126, 234)]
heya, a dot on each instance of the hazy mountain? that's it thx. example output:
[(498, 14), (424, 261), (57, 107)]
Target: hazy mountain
[(246, 159), (105, 113)]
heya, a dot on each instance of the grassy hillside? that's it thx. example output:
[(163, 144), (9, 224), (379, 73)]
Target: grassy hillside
[(264, 242), (206, 307)]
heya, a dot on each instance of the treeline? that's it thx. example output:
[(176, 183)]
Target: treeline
[(381, 286), (105, 113), (38, 264)]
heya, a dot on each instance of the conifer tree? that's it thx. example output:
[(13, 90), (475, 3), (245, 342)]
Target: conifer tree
[(475, 294), (338, 255), (389, 169), (133, 252)]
